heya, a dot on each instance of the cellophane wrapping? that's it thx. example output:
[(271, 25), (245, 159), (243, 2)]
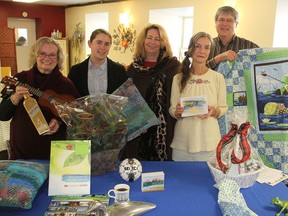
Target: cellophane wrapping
[(98, 118), (250, 163), (235, 157)]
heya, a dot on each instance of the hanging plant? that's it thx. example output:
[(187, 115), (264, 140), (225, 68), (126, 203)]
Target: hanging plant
[(124, 38), (77, 41)]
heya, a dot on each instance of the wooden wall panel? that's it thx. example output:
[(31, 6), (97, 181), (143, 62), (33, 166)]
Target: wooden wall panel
[(8, 49)]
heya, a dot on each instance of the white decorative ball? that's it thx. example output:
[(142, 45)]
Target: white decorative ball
[(130, 169)]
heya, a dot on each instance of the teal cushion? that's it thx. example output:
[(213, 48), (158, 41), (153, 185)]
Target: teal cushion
[(20, 181)]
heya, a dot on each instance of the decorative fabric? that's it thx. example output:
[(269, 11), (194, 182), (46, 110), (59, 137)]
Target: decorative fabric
[(243, 144), (139, 115), (230, 199), (235, 44), (146, 79), (139, 63), (156, 136), (198, 81), (257, 82), (20, 182), (153, 142)]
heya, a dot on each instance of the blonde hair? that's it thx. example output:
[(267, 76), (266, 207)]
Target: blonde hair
[(39, 44), (164, 42)]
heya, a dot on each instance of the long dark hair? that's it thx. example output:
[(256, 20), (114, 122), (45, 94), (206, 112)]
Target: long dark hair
[(185, 68)]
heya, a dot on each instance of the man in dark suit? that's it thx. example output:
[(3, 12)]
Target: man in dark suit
[(98, 73)]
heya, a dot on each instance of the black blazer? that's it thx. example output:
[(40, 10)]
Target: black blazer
[(79, 76)]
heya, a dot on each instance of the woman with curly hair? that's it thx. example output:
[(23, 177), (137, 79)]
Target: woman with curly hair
[(152, 71), (45, 61)]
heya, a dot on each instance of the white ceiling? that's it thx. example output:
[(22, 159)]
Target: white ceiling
[(68, 2)]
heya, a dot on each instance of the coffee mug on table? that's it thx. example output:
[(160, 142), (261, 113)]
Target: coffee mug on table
[(121, 193)]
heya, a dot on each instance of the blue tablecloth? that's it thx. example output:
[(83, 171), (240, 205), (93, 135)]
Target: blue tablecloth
[(188, 191)]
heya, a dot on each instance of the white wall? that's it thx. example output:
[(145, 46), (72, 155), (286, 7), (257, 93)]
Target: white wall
[(94, 21), (256, 23), (281, 29), (171, 20)]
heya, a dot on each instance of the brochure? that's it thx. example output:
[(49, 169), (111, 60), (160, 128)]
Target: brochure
[(70, 169), (271, 176), (193, 106), (74, 205)]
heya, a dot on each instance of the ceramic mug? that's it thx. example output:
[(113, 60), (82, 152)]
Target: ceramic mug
[(121, 193)]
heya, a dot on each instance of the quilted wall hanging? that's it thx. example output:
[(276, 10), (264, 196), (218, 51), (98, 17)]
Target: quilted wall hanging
[(257, 83)]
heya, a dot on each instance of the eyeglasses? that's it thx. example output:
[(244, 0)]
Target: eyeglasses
[(44, 55), (229, 21)]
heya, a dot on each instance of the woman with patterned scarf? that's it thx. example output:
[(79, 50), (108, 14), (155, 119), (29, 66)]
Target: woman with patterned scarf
[(152, 71)]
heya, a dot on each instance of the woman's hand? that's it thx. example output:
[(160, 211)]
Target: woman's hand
[(54, 127), (179, 110), (18, 95), (212, 111)]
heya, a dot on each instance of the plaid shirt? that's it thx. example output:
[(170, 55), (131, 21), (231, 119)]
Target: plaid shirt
[(235, 44)]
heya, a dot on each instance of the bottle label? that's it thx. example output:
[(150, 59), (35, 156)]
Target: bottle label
[(36, 115)]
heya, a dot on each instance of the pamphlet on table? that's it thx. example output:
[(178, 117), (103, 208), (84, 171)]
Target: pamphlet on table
[(70, 169)]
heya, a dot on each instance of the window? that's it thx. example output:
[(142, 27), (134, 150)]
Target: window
[(281, 19), (187, 33), (93, 22), (21, 36), (175, 20)]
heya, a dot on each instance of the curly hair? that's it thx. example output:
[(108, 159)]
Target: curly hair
[(164, 42), (185, 69), (39, 44)]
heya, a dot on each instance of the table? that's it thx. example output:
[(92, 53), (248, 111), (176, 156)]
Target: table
[(188, 191)]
